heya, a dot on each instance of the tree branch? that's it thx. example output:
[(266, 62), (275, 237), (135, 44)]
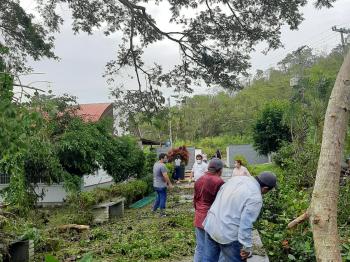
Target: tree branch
[(299, 220), (236, 17), (29, 87), (132, 51)]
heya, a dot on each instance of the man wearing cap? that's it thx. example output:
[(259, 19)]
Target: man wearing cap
[(205, 190), (230, 219)]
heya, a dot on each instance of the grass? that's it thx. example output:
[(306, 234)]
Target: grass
[(138, 236)]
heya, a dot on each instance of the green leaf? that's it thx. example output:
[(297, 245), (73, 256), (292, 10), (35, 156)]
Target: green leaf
[(49, 258)]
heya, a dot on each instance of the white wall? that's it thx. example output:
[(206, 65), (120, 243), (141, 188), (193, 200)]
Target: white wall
[(56, 193), (53, 194), (99, 179)]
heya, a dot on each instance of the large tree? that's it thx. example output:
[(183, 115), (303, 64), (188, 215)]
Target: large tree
[(215, 38)]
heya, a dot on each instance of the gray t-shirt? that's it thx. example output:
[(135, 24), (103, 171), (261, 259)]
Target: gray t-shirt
[(158, 170)]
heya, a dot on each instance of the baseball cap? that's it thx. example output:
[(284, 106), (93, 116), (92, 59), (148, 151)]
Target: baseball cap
[(267, 179), (215, 164)]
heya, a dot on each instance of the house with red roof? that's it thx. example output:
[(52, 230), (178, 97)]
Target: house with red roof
[(95, 112)]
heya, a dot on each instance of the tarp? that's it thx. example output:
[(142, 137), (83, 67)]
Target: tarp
[(144, 201)]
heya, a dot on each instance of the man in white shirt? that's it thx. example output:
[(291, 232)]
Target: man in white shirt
[(240, 170), (198, 169)]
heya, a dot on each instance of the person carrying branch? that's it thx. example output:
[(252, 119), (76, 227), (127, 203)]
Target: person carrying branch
[(230, 219)]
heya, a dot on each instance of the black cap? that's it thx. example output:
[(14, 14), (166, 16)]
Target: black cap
[(267, 179), (215, 164)]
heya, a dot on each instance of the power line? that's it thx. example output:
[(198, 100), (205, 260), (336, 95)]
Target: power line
[(342, 31)]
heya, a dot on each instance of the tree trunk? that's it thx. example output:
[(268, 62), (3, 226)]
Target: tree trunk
[(323, 209)]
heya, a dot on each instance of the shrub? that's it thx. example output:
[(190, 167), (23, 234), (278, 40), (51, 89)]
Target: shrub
[(300, 164), (150, 159), (123, 159), (171, 169), (131, 191), (280, 207), (180, 151), (270, 131)]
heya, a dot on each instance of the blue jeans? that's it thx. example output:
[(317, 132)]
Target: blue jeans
[(200, 240), (228, 252), (160, 199)]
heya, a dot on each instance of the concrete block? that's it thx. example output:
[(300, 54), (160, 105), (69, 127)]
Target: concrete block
[(106, 211), (21, 251)]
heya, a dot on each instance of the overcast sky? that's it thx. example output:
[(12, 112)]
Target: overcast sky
[(83, 58)]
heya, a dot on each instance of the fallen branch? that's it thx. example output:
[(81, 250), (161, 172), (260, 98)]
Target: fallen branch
[(76, 227), (298, 220), (7, 214)]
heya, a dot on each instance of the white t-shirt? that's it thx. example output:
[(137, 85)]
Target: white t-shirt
[(199, 170), (178, 162), (242, 171)]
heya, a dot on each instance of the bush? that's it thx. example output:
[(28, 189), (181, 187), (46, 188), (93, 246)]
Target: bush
[(131, 191), (171, 169), (123, 159), (150, 159), (270, 131), (299, 164), (280, 207)]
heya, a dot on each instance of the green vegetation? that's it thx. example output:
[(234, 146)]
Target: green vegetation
[(269, 131), (139, 235), (280, 207), (209, 145), (51, 144), (131, 191), (43, 140)]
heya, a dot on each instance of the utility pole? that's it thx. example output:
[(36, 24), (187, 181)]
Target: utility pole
[(170, 131), (342, 31)]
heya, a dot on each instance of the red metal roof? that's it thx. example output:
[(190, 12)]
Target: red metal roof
[(94, 112)]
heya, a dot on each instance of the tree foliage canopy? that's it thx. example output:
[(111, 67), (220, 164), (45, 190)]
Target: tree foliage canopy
[(22, 37), (270, 131)]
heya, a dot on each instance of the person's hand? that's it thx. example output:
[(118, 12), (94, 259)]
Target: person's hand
[(245, 255), (170, 186)]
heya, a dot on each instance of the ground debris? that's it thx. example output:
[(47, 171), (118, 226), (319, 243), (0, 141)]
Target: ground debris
[(69, 227)]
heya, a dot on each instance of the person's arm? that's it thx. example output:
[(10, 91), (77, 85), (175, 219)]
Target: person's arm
[(249, 215), (195, 196), (165, 176), (192, 174), (247, 172), (167, 179)]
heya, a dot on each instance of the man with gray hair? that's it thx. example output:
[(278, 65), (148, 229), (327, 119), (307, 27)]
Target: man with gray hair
[(230, 219)]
